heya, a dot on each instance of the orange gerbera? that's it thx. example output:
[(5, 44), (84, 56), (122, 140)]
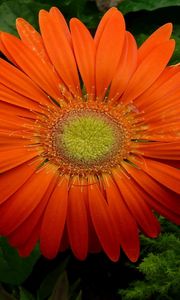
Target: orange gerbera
[(89, 136)]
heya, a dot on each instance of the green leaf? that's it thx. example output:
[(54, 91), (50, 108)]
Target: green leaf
[(61, 289), (10, 10), (73, 7), (142, 24), (49, 282), (136, 5), (79, 296), (25, 295), (4, 295), (84, 10), (160, 268), (176, 35), (15, 269)]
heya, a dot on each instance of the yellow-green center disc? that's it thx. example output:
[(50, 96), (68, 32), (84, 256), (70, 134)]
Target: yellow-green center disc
[(86, 137)]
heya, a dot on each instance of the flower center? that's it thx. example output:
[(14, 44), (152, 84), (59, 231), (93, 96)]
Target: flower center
[(87, 137)]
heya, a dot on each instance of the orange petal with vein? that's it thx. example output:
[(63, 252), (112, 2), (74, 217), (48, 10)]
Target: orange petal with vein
[(143, 78), (103, 223), (63, 59), (17, 177), (166, 175), (125, 69), (17, 81), (76, 216), (159, 150), (127, 227), (162, 34), (54, 219), (16, 209), (162, 195), (32, 39), (23, 232), (137, 205), (40, 72), (106, 59), (83, 45)]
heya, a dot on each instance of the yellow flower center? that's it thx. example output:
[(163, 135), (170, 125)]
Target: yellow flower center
[(87, 137)]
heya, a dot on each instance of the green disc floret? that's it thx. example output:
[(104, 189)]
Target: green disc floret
[(87, 138)]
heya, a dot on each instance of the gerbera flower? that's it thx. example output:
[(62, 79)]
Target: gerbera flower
[(89, 136)]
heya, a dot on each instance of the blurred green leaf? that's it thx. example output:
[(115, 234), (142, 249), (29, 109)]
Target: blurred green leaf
[(49, 282), (85, 10), (25, 295), (10, 10), (176, 35), (13, 268), (143, 23), (136, 5), (79, 297), (4, 295), (61, 289), (74, 7), (74, 290)]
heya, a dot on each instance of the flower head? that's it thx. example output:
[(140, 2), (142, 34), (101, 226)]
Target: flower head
[(89, 136)]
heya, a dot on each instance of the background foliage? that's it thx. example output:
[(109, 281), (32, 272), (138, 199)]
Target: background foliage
[(157, 273)]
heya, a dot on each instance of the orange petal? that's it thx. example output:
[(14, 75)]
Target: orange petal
[(94, 245), (83, 45), (165, 129), (21, 204), (64, 241), (55, 14), (105, 19), (125, 223), (174, 217), (39, 71), (136, 204), (102, 221), (23, 232), (163, 173), (13, 124), (32, 39), (126, 67), (108, 52), (163, 211), (17, 81), (9, 110), (166, 86), (9, 96), (14, 157), (17, 177), (162, 34), (173, 163), (59, 49), (163, 201), (27, 248), (54, 219), (164, 197), (5, 52), (149, 70), (15, 141), (77, 223), (159, 150), (165, 112)]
